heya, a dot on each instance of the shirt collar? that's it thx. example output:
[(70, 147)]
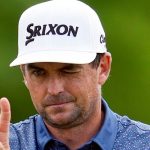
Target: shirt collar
[(105, 137), (43, 136)]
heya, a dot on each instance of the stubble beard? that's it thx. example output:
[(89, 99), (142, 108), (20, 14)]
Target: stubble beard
[(77, 117)]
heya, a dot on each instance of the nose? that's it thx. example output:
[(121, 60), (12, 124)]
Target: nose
[(55, 86)]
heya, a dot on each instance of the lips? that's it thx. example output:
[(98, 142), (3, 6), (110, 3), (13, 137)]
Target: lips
[(59, 99), (60, 103)]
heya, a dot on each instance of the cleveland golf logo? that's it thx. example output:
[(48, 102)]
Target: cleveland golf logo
[(49, 29), (102, 39)]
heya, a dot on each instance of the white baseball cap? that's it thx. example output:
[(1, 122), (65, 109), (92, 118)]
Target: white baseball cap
[(64, 31)]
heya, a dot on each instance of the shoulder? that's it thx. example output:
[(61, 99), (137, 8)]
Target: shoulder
[(124, 123), (23, 126), (25, 122), (132, 134), (23, 133)]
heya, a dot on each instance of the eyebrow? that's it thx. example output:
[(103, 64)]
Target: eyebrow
[(32, 66), (65, 67), (71, 66)]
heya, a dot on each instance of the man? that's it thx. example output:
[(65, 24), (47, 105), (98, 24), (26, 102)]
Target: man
[(64, 62)]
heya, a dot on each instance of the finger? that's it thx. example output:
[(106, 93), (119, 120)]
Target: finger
[(1, 146), (5, 115)]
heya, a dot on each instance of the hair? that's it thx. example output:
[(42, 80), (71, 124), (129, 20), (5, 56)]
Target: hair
[(95, 63)]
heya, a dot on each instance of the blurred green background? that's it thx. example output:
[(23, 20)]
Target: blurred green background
[(127, 27)]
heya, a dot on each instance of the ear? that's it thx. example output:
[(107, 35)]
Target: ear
[(22, 68), (104, 67), (26, 83)]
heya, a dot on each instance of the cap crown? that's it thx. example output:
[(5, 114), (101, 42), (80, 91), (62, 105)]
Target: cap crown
[(60, 25)]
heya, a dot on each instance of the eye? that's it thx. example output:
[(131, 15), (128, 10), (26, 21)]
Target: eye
[(38, 72), (71, 71)]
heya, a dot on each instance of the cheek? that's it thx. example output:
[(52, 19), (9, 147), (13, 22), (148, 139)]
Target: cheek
[(37, 92), (90, 84), (84, 89), (92, 89)]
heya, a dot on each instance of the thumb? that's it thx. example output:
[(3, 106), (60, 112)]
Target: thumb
[(2, 147), (5, 116)]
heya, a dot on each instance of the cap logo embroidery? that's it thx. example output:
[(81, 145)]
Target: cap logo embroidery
[(49, 29), (102, 39)]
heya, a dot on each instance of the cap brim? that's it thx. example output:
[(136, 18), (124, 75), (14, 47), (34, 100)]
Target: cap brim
[(55, 56)]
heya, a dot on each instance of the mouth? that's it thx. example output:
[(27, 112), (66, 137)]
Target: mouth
[(60, 107), (61, 103), (58, 103), (62, 99)]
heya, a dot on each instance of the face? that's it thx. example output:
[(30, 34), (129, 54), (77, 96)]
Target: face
[(65, 95)]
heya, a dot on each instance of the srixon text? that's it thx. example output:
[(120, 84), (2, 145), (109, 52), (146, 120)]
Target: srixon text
[(49, 29)]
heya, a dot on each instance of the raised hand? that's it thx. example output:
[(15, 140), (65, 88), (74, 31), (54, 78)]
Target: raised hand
[(5, 115)]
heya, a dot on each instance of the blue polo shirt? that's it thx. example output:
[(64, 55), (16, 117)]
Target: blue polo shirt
[(117, 133)]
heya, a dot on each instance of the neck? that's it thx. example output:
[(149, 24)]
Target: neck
[(78, 135)]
